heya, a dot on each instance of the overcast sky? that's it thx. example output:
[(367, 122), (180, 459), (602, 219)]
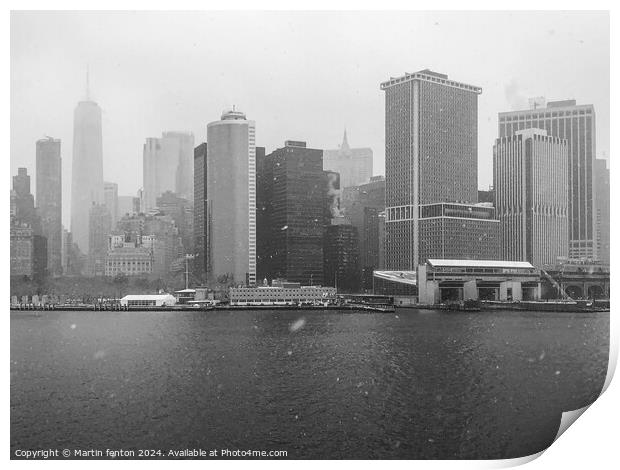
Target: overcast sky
[(299, 75)]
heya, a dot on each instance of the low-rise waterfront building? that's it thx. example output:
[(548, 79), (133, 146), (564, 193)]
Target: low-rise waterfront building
[(289, 294), (148, 300)]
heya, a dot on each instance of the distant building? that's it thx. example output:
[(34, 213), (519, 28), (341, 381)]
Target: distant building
[(200, 213), (28, 245), (341, 256), (290, 209), (87, 169), (231, 199), (353, 164), (362, 205), (110, 199), (127, 206), (431, 155), (100, 226), (182, 213), (128, 258), (168, 166), (530, 177), (22, 201), (458, 231), (577, 124), (156, 234), (601, 186), (22, 249)]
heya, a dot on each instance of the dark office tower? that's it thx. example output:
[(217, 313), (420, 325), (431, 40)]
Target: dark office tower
[(341, 256), (290, 201), (576, 124), (601, 185), (200, 212), (362, 205), (49, 200), (431, 146), (100, 226), (87, 168), (530, 177)]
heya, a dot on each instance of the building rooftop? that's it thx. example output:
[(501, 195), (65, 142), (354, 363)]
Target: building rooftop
[(472, 263), (430, 76)]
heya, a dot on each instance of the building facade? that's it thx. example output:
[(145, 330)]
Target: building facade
[(22, 249), (353, 164), (601, 187), (576, 124), (531, 177), (431, 148), (87, 169), (231, 199), (110, 199), (458, 231), (100, 226), (200, 212), (362, 205), (128, 259), (341, 256), (290, 205), (49, 199)]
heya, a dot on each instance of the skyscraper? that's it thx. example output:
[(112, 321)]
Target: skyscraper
[(576, 124), (353, 164), (200, 212), (167, 166), (49, 200), (231, 199), (362, 205), (431, 154), (290, 204), (110, 199), (601, 186), (100, 226), (530, 177), (87, 168), (341, 256)]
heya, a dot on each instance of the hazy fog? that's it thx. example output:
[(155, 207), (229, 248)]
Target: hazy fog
[(302, 76)]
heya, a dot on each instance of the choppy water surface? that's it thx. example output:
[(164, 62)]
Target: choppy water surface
[(316, 384)]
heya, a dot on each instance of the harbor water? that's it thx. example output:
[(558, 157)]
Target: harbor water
[(410, 384)]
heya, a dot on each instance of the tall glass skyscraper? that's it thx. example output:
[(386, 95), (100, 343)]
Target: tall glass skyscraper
[(87, 169), (231, 199), (49, 199), (431, 155), (577, 124)]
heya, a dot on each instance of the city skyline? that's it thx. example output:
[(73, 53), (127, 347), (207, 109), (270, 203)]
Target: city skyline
[(345, 95)]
